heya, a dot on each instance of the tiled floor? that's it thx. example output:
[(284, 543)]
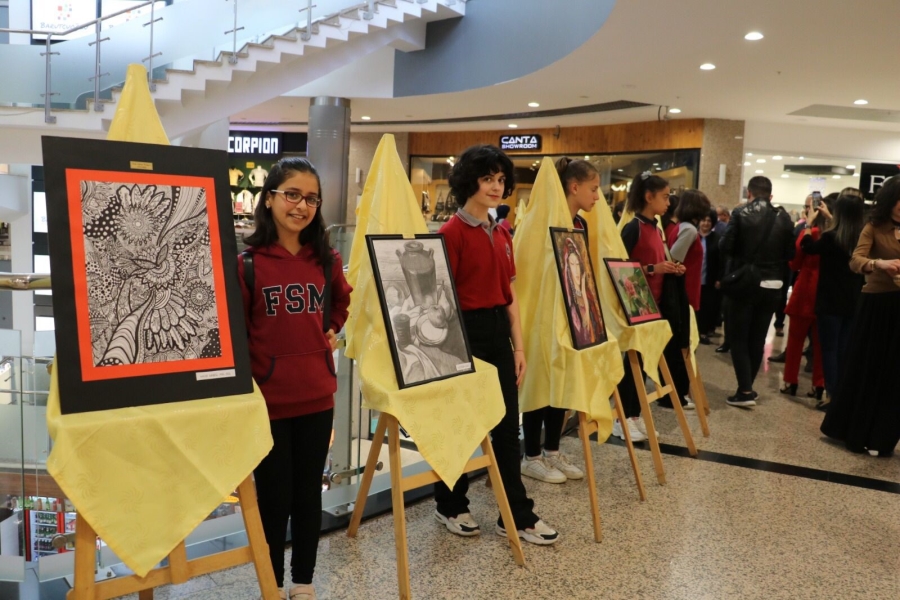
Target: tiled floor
[(714, 531)]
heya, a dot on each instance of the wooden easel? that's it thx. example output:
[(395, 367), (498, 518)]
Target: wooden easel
[(180, 569), (646, 399), (698, 390), (401, 484)]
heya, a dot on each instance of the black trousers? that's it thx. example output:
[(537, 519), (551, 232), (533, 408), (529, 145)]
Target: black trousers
[(749, 322), (488, 331), (289, 484), (548, 418), (631, 404)]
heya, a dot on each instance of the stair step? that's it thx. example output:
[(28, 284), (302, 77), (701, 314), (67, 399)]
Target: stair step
[(391, 3), (183, 71), (263, 46), (207, 63), (353, 13), (334, 21)]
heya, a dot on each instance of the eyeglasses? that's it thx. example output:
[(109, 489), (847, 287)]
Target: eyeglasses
[(295, 197)]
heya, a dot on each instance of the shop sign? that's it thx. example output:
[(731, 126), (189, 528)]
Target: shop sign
[(873, 175), (530, 141), (55, 16), (254, 142)]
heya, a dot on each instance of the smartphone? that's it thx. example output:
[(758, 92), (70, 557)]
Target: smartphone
[(816, 200)]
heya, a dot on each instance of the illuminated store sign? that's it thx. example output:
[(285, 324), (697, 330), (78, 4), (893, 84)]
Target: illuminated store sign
[(873, 175), (530, 141), (253, 142)]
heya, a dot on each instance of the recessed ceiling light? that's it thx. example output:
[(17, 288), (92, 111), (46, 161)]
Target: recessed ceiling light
[(534, 104), (620, 170), (754, 36), (747, 164), (785, 176), (776, 157), (749, 154), (856, 174), (801, 158), (835, 176), (512, 125), (851, 166), (861, 102), (655, 164), (707, 67), (366, 118), (760, 160), (587, 157), (659, 168), (759, 171), (675, 111)]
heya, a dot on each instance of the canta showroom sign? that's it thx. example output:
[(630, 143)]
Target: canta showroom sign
[(530, 141), (873, 175)]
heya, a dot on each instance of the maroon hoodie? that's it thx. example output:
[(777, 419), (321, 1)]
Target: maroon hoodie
[(290, 356)]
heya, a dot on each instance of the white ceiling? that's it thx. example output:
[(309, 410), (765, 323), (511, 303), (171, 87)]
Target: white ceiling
[(815, 52)]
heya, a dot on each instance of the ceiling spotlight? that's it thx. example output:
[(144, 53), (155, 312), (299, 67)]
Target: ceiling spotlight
[(513, 126), (620, 170), (746, 164), (776, 157), (707, 67), (366, 118), (856, 174), (655, 164), (659, 168), (861, 102), (801, 158), (759, 171), (785, 176), (754, 36), (760, 160), (851, 166), (587, 157), (749, 154), (835, 176), (534, 104), (675, 111)]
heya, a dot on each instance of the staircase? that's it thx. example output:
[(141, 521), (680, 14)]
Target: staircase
[(188, 100)]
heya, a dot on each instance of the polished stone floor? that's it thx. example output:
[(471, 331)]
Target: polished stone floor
[(715, 531)]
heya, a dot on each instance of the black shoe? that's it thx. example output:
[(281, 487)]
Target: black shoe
[(789, 389), (815, 393), (823, 405), (742, 400), (777, 358), (723, 349)]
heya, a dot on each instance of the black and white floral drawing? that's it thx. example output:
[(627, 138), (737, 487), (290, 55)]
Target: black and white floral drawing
[(150, 285)]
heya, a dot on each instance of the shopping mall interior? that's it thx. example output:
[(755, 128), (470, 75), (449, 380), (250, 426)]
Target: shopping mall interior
[(153, 465)]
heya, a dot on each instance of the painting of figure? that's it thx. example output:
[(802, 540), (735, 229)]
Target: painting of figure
[(579, 287)]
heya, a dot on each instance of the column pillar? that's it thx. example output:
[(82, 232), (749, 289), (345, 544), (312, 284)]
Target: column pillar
[(329, 151)]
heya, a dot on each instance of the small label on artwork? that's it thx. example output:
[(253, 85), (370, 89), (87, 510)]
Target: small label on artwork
[(463, 367), (141, 165), (207, 375)]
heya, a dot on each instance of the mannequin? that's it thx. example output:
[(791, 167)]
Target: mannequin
[(258, 177), (235, 176)]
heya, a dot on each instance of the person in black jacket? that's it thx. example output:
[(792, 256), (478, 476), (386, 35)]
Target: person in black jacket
[(758, 234), (710, 275), (839, 287)]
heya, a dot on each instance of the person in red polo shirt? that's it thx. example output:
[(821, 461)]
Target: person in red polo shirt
[(481, 258)]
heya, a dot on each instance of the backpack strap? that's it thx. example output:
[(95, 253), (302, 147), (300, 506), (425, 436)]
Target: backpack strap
[(327, 261), (249, 273)]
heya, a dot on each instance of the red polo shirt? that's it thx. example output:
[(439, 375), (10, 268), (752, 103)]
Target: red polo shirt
[(481, 258)]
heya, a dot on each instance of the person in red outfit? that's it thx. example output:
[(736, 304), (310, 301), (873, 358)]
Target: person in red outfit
[(801, 308), (291, 358), (684, 241)]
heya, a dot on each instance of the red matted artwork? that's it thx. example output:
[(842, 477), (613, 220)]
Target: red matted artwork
[(143, 256)]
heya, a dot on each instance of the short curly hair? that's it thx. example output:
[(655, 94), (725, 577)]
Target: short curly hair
[(475, 163)]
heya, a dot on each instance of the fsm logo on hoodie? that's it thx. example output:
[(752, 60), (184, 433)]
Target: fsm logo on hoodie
[(297, 298)]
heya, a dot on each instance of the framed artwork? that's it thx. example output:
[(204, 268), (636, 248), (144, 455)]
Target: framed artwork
[(420, 308), (633, 291), (146, 296), (576, 275)]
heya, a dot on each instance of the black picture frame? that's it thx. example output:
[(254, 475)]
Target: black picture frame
[(633, 305), (429, 352), (222, 367), (580, 241)]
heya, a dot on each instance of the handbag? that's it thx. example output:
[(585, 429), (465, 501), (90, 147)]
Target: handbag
[(746, 278)]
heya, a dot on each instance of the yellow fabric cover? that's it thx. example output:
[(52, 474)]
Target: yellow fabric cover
[(558, 375), (448, 419), (649, 339), (145, 477), (136, 119)]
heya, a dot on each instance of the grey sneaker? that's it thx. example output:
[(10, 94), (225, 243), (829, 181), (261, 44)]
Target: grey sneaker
[(303, 592), (540, 469), (561, 463), (541, 534), (462, 524)]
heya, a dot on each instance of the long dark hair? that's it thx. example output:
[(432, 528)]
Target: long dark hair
[(885, 201), (266, 233), (848, 222), (643, 183)]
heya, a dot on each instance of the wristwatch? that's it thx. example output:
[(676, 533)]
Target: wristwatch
[(651, 269)]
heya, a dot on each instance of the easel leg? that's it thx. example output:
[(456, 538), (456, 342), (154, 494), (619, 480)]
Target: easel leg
[(85, 560), (589, 471), (399, 509), (620, 414), (366, 482), (676, 404), (638, 375), (145, 594), (697, 391), (503, 502), (178, 564), (259, 548)]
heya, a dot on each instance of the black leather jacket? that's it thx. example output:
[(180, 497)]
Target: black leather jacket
[(745, 231)]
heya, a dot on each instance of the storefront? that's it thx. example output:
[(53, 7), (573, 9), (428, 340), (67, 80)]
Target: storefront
[(620, 152)]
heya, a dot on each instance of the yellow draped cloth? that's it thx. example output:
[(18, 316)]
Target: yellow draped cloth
[(558, 375), (448, 419), (145, 477), (649, 339)]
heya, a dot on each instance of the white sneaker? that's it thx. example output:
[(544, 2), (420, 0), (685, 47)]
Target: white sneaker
[(462, 524), (642, 426), (541, 469), (690, 404), (303, 592), (636, 434), (541, 534), (561, 463), (282, 595)]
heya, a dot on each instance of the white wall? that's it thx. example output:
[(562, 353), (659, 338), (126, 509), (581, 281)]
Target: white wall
[(791, 193), (779, 138)]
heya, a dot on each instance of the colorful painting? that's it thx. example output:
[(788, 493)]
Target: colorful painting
[(420, 308), (579, 285), (633, 291), (144, 277)]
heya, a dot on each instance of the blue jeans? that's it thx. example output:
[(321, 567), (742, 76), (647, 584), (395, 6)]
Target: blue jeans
[(834, 338)]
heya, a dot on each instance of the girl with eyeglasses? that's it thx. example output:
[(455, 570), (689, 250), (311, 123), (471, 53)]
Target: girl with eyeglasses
[(286, 302)]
